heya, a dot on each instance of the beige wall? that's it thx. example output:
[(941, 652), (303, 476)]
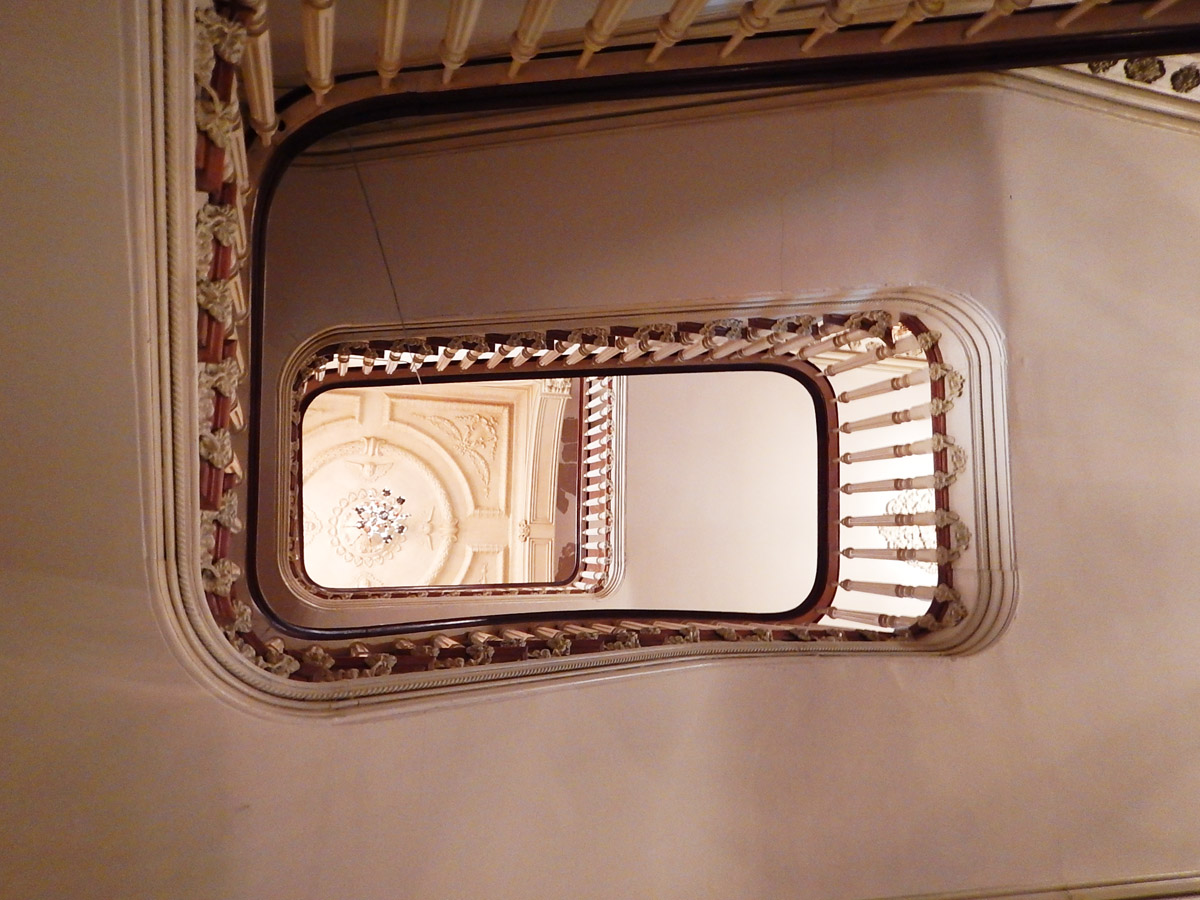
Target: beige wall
[(1066, 752)]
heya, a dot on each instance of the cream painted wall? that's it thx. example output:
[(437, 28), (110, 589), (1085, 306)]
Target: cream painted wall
[(720, 493), (1066, 752)]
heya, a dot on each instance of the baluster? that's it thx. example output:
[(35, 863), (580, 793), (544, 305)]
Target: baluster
[(905, 591), (585, 347), (917, 413), (236, 154), (869, 618), (391, 40), (523, 45), (935, 518), (460, 23), (618, 346), (644, 339), (479, 347), (832, 343), (528, 352), (368, 360), (316, 21), (708, 337), (599, 29), (837, 13), (917, 11), (921, 482), (916, 448), (754, 18), (583, 631), (257, 77), (599, 442), (596, 416), (911, 343), (1076, 11), (921, 376), (780, 332), (673, 26), (939, 555), (999, 8), (667, 350), (630, 625), (499, 355), (803, 338)]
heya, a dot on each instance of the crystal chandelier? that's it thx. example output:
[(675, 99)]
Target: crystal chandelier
[(380, 517)]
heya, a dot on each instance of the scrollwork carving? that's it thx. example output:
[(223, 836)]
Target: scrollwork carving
[(216, 447), (788, 327), (243, 618), (474, 435), (1145, 69), (219, 223), (219, 575), (318, 656), (220, 121), (1185, 79), (876, 323), (214, 297), (731, 329), (224, 37), (223, 376), (276, 660)]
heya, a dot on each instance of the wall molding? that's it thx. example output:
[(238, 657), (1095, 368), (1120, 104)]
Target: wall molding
[(1154, 887)]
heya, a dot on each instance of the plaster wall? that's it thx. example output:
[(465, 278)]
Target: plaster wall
[(1066, 752)]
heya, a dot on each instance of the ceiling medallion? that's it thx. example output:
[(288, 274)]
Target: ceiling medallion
[(369, 525), (379, 516)]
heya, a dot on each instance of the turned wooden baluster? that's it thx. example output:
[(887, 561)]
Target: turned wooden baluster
[(999, 9), (600, 28), (869, 618), (917, 11), (754, 18), (673, 26), (316, 22), (460, 23), (907, 591), (1076, 11), (523, 44), (257, 78), (917, 413), (920, 482), (391, 39), (895, 451), (837, 13), (911, 343)]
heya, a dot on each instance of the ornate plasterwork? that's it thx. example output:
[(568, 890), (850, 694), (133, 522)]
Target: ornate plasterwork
[(474, 436), (465, 448), (1177, 76), (472, 463)]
